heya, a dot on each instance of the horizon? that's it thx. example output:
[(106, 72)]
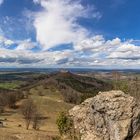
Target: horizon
[(74, 68), (63, 34)]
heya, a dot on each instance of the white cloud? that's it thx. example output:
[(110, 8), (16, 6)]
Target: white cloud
[(126, 51), (93, 43), (57, 23), (5, 42), (98, 44), (92, 52), (36, 1), (18, 57), (1, 2), (25, 45)]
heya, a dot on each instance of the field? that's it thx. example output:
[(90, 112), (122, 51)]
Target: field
[(50, 104), (10, 86), (49, 98)]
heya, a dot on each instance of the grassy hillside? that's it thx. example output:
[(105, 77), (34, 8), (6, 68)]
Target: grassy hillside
[(53, 93), (73, 88), (10, 85), (50, 103)]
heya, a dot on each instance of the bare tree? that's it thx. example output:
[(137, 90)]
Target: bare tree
[(36, 121), (116, 77), (136, 82), (11, 99), (28, 109), (135, 87), (3, 101)]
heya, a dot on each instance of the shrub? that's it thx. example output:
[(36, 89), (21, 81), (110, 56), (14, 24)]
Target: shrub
[(64, 123)]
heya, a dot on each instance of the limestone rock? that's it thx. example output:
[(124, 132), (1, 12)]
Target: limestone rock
[(108, 116)]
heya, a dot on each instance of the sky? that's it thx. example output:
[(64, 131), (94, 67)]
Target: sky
[(70, 34)]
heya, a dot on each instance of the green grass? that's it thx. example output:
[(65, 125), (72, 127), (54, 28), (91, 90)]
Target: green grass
[(10, 85)]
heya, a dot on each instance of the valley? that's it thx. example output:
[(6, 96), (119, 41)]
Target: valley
[(52, 93)]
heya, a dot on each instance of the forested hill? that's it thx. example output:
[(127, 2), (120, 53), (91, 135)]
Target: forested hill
[(80, 83)]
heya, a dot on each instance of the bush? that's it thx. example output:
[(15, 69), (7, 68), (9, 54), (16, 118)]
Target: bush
[(66, 127), (64, 123)]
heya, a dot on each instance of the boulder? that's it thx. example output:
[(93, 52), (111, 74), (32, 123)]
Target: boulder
[(110, 115)]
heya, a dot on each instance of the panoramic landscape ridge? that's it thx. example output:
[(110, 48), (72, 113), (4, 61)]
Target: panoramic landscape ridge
[(69, 70)]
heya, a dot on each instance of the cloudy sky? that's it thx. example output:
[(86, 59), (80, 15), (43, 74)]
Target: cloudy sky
[(70, 33)]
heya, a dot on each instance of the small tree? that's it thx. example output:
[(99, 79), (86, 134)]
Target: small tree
[(116, 77), (3, 100), (64, 123), (36, 120), (28, 109), (136, 85), (11, 99), (1, 109)]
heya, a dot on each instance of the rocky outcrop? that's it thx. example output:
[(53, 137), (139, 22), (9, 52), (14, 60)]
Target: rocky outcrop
[(108, 116)]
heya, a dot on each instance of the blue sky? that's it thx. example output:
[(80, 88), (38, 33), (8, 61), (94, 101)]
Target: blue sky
[(72, 33)]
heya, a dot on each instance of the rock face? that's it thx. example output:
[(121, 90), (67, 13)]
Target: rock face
[(108, 116)]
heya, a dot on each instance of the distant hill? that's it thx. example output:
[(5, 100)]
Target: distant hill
[(75, 88), (80, 83)]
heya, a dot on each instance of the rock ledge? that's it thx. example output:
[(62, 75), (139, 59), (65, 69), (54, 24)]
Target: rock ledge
[(110, 115)]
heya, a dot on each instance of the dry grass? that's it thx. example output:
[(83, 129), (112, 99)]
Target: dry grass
[(51, 104)]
